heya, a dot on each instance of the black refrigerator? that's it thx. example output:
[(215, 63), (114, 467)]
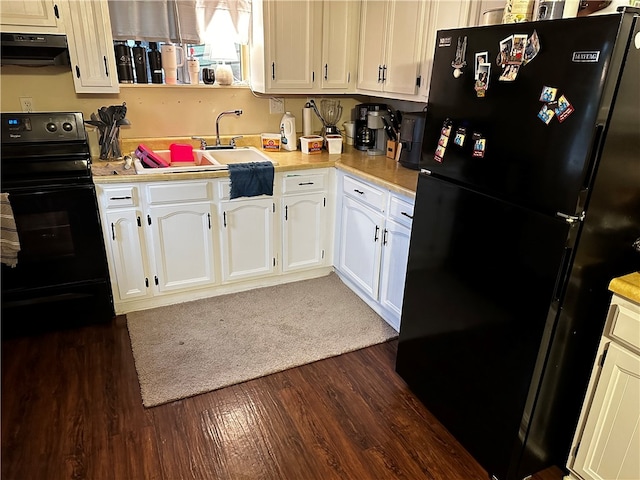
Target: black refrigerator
[(527, 205)]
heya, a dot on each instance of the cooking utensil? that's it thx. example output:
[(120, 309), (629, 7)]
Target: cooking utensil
[(391, 133)]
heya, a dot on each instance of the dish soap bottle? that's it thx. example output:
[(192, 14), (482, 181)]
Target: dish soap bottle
[(288, 139)]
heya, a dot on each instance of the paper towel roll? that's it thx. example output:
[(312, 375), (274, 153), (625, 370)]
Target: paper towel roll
[(306, 120)]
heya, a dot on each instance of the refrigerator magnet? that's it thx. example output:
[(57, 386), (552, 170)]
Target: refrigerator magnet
[(510, 73), (481, 58), (479, 145), (518, 44), (440, 151), (532, 48), (548, 94), (459, 62), (505, 50), (461, 134), (563, 109), (545, 114)]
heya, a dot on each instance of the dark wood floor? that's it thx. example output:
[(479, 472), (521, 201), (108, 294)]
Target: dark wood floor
[(71, 409)]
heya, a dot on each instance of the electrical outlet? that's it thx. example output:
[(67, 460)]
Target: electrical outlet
[(276, 105), (27, 104)]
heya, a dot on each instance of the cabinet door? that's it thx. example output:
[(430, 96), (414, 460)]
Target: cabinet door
[(372, 40), (340, 20), (611, 439), (360, 245), (247, 238), (124, 248), (182, 238), (15, 15), (403, 47), (293, 44), (93, 62), (303, 231), (443, 15), (395, 253)]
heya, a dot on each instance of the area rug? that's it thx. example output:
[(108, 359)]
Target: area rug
[(195, 347)]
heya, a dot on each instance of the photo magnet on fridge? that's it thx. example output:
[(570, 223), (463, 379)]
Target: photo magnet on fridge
[(505, 50), (532, 48), (545, 114), (481, 58), (510, 73), (479, 145), (461, 134), (548, 94), (563, 109), (516, 56)]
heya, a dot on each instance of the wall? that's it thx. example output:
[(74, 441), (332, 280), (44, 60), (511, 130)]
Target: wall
[(157, 110)]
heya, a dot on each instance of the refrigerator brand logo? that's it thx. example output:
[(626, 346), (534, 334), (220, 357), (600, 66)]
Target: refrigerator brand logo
[(444, 42), (589, 57)]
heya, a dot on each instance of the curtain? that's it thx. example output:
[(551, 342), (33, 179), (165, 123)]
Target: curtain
[(181, 21)]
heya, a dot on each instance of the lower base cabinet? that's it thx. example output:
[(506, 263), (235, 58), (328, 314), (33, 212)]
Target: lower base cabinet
[(246, 238), (607, 442), (373, 244), (175, 241)]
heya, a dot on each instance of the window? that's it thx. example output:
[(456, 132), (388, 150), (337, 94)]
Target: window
[(214, 32)]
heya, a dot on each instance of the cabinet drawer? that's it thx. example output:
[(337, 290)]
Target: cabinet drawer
[(169, 192), (625, 322), (293, 183), (118, 197), (400, 210), (365, 193)]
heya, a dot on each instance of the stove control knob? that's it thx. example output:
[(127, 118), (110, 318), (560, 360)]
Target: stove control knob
[(67, 127), (51, 127)]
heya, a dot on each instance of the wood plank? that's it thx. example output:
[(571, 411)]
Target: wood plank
[(71, 408)]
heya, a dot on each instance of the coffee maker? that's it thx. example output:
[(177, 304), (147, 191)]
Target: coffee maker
[(365, 136)]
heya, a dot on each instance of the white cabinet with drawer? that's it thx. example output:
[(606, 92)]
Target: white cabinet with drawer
[(607, 441), (181, 223), (304, 207), (373, 244), (124, 238)]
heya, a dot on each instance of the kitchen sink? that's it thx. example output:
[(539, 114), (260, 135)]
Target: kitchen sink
[(240, 155), (205, 160)]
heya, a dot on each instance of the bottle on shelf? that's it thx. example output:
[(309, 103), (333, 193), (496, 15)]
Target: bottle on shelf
[(155, 63), (140, 62)]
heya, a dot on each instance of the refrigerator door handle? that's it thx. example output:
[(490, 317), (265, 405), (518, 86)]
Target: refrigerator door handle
[(561, 280), (571, 219)]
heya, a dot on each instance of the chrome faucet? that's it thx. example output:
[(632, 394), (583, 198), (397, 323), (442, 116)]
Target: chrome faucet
[(232, 144)]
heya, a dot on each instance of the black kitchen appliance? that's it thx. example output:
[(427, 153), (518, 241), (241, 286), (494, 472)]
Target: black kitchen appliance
[(411, 132), (365, 136), (527, 205), (34, 49), (61, 278)]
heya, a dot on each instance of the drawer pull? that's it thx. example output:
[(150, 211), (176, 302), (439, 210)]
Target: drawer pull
[(120, 198), (358, 191), (406, 215), (306, 183)]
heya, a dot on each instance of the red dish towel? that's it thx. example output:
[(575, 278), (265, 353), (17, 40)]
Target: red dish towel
[(9, 241)]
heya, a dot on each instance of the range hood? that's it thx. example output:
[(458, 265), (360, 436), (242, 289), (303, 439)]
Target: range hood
[(34, 49)]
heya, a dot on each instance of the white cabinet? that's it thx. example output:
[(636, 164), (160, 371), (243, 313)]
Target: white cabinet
[(390, 47), (30, 16), (607, 442), (395, 253), (247, 238), (303, 46), (445, 15), (88, 30), (181, 232), (340, 21), (373, 245), (304, 220), (361, 245), (124, 239)]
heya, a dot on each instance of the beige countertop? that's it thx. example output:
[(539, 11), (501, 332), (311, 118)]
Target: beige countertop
[(627, 286), (377, 169)]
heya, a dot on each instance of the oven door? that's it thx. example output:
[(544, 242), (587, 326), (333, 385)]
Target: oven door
[(62, 260)]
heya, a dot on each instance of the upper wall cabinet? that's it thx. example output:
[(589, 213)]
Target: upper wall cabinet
[(390, 47), (303, 46), (444, 15), (88, 29), (30, 16)]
